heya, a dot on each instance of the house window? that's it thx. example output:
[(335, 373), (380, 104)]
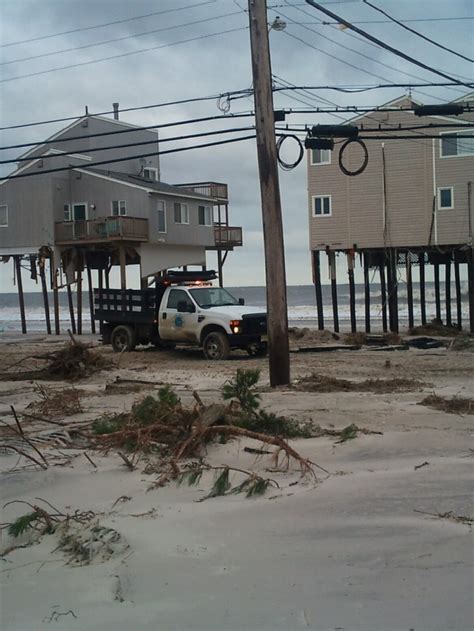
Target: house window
[(181, 213), (150, 174), (119, 208), (3, 216), (320, 156), (451, 145), (445, 198), (205, 215), (161, 210), (67, 212), (322, 206)]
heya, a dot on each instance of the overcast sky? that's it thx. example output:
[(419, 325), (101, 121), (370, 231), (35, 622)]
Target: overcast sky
[(208, 66)]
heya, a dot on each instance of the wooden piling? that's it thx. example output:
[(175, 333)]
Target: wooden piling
[(332, 270), (437, 292), (367, 292), (79, 301), (318, 288), (350, 273), (44, 288), (219, 267), (123, 275), (54, 283), (411, 322), (470, 279), (71, 308), (421, 261), (21, 297), (91, 297), (447, 290), (457, 283), (383, 297), (392, 290)]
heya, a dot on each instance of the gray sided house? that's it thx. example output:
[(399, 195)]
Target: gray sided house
[(413, 204), (73, 207)]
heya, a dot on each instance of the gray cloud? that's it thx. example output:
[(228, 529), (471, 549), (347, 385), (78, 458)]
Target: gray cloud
[(205, 67)]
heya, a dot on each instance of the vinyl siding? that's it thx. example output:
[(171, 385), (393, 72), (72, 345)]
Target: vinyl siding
[(357, 202)]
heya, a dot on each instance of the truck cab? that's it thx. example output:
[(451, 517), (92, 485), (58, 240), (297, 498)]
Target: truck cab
[(184, 308)]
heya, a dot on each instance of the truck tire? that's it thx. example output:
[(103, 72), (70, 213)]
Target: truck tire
[(123, 338), (216, 346)]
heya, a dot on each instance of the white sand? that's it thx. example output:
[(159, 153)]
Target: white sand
[(348, 553)]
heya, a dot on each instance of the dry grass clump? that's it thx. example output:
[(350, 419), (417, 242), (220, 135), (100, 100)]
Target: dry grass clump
[(437, 328), (304, 334), (454, 405), (56, 403), (322, 383)]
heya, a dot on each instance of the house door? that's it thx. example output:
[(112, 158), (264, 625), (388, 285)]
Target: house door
[(79, 216)]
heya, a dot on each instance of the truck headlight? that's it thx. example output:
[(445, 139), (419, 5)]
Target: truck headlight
[(235, 326)]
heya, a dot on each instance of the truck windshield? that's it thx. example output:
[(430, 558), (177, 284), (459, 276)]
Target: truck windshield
[(207, 297)]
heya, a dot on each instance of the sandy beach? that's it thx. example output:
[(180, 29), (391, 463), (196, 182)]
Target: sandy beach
[(377, 544)]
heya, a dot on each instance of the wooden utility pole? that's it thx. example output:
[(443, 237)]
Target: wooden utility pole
[(277, 313)]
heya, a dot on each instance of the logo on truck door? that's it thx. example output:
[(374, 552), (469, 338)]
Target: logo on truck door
[(178, 321)]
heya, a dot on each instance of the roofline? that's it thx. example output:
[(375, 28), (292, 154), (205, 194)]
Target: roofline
[(72, 125), (388, 104), (467, 97), (111, 178)]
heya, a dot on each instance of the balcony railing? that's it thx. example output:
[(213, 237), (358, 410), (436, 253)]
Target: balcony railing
[(102, 229), (211, 189), (227, 237)]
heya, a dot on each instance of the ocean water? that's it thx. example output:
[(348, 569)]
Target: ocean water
[(301, 306)]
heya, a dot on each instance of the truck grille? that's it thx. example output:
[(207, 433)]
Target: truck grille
[(254, 324)]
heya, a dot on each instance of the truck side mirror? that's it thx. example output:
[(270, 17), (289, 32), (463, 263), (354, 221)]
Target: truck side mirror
[(241, 301), (185, 307)]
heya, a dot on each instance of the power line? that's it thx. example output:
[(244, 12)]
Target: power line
[(465, 17), (356, 109), (350, 89), (407, 28), (133, 52), (131, 144), (352, 51), (119, 39), (286, 85), (89, 28), (189, 121), (382, 44), (142, 155)]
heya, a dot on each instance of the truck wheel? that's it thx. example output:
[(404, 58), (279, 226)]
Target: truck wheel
[(123, 338), (216, 345), (257, 350)]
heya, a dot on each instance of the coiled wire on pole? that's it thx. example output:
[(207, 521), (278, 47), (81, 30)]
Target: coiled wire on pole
[(288, 166), (365, 161)]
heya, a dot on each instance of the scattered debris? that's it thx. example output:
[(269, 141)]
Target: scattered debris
[(72, 362), (323, 383), (55, 403), (425, 343), (54, 617), (366, 339), (436, 327), (454, 405), (459, 519), (423, 464)]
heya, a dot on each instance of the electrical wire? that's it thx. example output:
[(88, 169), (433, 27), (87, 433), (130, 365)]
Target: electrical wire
[(86, 150), (127, 131), (289, 166), (428, 39), (121, 55), (365, 160), (465, 17), (89, 28), (352, 51), (142, 155), (236, 94), (120, 39), (380, 43)]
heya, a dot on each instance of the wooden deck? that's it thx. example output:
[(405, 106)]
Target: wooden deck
[(101, 230)]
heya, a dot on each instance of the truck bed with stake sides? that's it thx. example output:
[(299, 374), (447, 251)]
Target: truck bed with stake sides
[(183, 308)]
